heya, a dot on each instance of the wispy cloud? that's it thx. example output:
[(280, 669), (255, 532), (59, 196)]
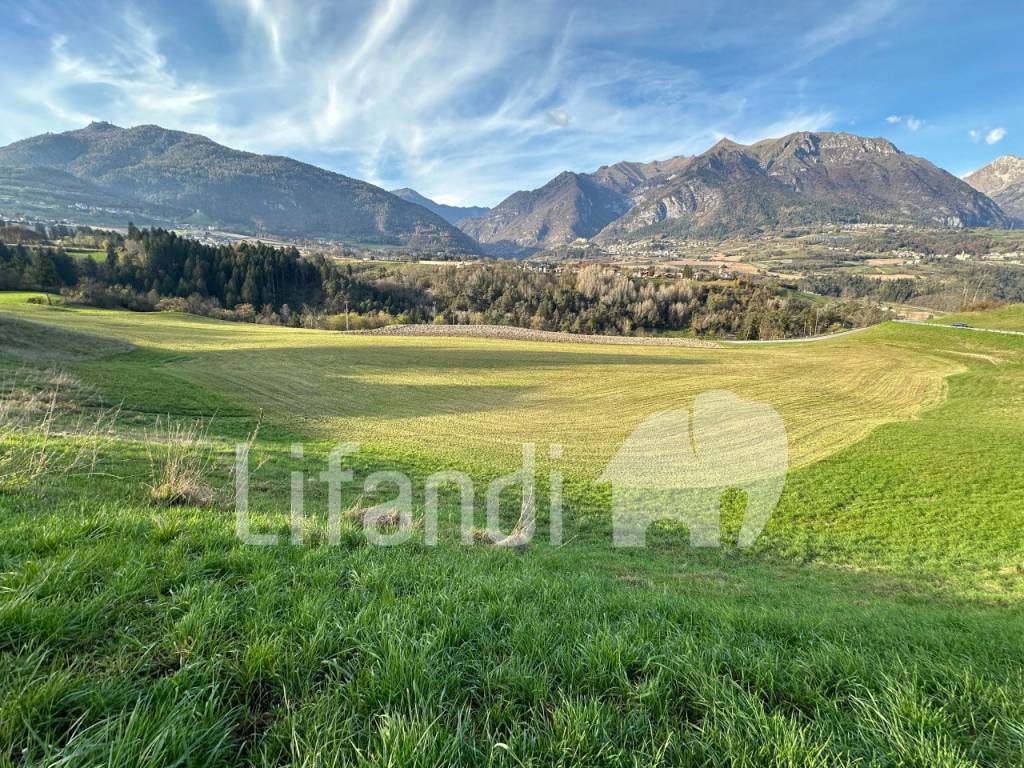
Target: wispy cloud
[(123, 69), (860, 20), (813, 121), (462, 100)]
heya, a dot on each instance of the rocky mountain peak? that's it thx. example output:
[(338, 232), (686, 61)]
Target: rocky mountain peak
[(803, 178), (997, 175), (1003, 180), (101, 126)]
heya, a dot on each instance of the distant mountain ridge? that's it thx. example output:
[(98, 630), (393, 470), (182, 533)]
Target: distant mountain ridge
[(177, 178), (802, 178), (1003, 181), (453, 214), (806, 178), (570, 206), (154, 175)]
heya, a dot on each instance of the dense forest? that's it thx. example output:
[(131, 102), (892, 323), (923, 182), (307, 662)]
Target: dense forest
[(154, 269)]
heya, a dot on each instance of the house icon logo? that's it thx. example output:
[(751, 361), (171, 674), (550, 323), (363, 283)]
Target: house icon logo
[(677, 464)]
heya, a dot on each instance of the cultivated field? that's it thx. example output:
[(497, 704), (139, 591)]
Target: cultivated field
[(876, 621)]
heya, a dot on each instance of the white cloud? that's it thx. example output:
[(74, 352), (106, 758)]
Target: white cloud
[(975, 135), (995, 135), (912, 123)]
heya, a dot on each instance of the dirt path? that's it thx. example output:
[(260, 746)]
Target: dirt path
[(526, 334), (512, 333)]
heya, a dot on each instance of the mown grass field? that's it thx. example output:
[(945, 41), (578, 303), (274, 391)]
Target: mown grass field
[(477, 401), (876, 622)]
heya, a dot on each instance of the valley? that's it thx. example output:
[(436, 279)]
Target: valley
[(888, 577), (524, 385)]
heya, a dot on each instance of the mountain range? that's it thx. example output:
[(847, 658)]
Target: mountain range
[(1003, 181), (802, 178), (453, 214), (173, 178), (109, 175)]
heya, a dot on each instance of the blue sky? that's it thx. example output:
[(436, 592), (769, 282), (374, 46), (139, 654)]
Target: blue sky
[(470, 101)]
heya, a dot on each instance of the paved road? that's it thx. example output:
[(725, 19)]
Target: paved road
[(968, 328), (801, 340)]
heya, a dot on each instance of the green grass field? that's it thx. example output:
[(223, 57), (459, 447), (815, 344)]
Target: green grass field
[(1007, 318), (876, 622), (87, 253)]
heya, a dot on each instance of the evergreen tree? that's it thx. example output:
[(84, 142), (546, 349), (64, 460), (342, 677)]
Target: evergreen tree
[(42, 274)]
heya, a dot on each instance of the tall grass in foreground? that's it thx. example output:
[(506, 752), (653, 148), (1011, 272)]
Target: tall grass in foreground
[(135, 638), (42, 429), (180, 462)]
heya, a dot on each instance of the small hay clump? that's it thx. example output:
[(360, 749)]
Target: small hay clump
[(179, 464)]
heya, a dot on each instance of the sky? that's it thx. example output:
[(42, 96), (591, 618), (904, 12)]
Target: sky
[(470, 101)]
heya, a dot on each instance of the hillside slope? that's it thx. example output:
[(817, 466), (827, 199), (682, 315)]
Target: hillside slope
[(181, 178), (570, 206)]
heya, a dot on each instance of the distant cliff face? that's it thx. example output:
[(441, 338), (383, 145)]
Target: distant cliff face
[(182, 178), (1003, 181)]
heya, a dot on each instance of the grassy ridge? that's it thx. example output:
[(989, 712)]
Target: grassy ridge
[(1008, 318), (877, 621)]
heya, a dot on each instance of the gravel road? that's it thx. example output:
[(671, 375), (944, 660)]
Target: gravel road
[(526, 334)]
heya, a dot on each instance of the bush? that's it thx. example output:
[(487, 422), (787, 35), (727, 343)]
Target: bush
[(90, 293)]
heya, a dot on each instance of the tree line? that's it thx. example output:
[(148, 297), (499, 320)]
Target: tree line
[(155, 269)]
